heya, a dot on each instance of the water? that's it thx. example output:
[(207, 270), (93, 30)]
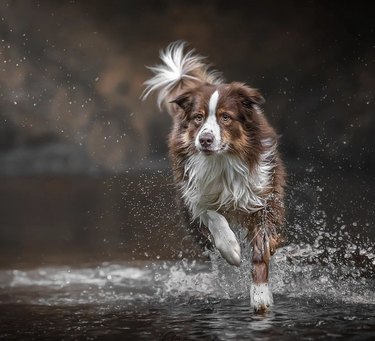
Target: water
[(188, 300), (323, 279)]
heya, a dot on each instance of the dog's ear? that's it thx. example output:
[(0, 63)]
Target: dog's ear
[(184, 101), (248, 97)]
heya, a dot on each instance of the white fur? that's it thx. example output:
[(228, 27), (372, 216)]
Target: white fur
[(178, 67), (211, 125), (212, 106), (225, 181), (224, 238), (260, 296)]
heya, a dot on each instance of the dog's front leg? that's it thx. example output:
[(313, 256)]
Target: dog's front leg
[(260, 293), (224, 238)]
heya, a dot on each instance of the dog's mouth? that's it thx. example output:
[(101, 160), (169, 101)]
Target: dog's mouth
[(207, 151), (211, 151)]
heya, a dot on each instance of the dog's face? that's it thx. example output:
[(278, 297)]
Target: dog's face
[(219, 118)]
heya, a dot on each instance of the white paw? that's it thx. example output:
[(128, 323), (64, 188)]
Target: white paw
[(224, 238), (260, 297), (229, 249)]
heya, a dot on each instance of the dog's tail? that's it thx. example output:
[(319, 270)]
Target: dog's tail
[(178, 72)]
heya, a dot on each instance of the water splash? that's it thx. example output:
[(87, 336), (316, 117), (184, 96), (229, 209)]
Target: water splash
[(297, 271), (323, 262)]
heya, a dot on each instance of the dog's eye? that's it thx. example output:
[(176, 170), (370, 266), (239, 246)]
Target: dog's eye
[(198, 118), (225, 117)]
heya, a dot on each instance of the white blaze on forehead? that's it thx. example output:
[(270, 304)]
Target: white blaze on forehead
[(213, 103), (211, 125)]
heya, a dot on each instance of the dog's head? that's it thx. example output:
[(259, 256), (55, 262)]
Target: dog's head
[(222, 118)]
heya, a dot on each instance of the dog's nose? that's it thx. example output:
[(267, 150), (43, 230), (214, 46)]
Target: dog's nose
[(206, 139)]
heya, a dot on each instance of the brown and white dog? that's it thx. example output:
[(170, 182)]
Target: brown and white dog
[(225, 160)]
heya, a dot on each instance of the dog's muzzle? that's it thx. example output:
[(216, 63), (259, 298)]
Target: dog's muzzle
[(206, 140)]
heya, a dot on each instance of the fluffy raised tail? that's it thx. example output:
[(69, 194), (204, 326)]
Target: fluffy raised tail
[(178, 72)]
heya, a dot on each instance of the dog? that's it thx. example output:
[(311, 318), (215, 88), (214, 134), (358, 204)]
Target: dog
[(225, 161)]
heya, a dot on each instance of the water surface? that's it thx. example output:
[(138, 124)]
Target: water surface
[(188, 300), (323, 279)]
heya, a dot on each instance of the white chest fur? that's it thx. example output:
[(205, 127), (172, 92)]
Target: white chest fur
[(224, 181)]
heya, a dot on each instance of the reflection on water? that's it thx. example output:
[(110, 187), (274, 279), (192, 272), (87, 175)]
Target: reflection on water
[(189, 299), (218, 320)]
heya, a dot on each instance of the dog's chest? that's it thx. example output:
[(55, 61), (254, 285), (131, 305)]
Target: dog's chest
[(222, 182)]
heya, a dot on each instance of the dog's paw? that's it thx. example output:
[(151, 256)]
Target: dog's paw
[(225, 240), (229, 248), (260, 297)]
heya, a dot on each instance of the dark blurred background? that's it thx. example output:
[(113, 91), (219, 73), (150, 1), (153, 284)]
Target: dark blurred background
[(83, 163)]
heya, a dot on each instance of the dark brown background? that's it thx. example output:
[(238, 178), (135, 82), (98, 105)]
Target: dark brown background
[(83, 162)]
